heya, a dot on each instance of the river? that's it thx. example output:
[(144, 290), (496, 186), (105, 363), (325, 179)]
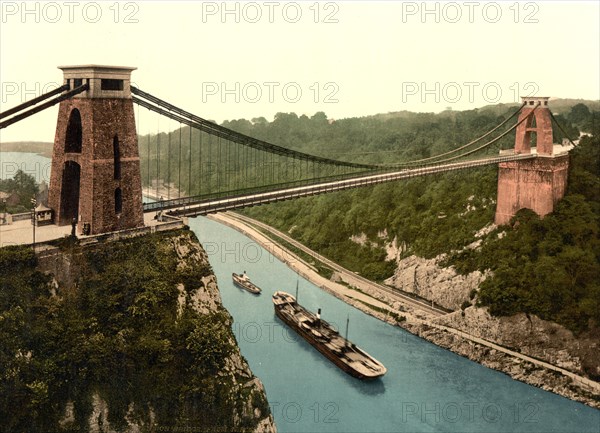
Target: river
[(33, 164), (426, 388)]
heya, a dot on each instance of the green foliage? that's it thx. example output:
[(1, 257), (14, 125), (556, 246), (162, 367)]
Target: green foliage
[(430, 216), (191, 278), (551, 266), (546, 267), (568, 129), (24, 375), (24, 187), (116, 334), (207, 343), (579, 114)]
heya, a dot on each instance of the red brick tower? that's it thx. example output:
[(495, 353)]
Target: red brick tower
[(539, 183), (95, 174)]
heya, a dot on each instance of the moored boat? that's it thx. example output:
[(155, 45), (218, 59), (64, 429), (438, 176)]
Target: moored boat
[(244, 282), (323, 337)]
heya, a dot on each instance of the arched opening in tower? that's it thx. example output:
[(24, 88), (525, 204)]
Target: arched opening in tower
[(118, 201), (69, 199), (532, 139), (74, 133), (117, 158)]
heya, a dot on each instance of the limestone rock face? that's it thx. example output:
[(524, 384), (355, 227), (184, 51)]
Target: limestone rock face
[(521, 332), (206, 300), (516, 368), (424, 277), (530, 335)]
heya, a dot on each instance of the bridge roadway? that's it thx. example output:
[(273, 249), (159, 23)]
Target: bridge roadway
[(192, 206)]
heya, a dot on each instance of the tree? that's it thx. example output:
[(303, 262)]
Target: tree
[(22, 185), (259, 121), (579, 114)]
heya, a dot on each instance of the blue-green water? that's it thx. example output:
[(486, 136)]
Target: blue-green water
[(426, 388), (35, 165)]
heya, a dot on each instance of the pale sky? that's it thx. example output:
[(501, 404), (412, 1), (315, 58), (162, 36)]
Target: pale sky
[(231, 60)]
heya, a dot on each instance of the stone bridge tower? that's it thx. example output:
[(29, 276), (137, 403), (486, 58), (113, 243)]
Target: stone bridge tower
[(539, 183), (95, 176)]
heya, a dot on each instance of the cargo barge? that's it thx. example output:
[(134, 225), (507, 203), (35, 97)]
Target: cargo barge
[(323, 337)]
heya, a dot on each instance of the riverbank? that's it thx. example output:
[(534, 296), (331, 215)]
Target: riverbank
[(38, 147), (421, 321)]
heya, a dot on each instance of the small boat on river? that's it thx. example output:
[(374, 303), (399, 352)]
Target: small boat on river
[(244, 282), (323, 337)]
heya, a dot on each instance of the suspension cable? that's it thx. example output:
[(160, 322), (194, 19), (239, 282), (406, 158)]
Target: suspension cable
[(489, 142), (466, 145), (190, 166), (561, 128), (34, 101), (149, 161), (222, 132), (168, 167), (45, 105), (158, 159), (179, 164), (229, 134)]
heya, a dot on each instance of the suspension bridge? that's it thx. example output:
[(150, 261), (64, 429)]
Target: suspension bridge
[(97, 172)]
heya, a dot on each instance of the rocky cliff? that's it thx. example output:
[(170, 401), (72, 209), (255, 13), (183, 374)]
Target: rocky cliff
[(530, 335), (516, 368), (426, 278), (137, 341), (527, 334)]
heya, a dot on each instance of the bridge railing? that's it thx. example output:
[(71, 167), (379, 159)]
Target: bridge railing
[(174, 224), (187, 201), (191, 208), (240, 197)]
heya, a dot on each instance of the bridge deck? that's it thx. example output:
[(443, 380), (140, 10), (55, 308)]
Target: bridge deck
[(192, 206)]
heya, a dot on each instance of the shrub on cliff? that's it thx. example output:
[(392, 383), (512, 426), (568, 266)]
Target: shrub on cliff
[(117, 335), (551, 266)]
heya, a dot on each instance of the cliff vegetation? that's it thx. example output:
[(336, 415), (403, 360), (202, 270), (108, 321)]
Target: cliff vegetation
[(126, 336)]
